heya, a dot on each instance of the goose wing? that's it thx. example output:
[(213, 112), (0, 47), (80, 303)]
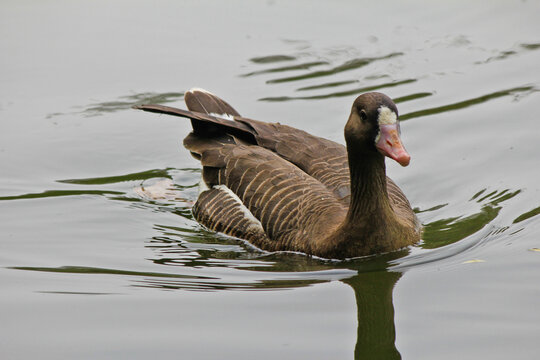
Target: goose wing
[(323, 159), (265, 194)]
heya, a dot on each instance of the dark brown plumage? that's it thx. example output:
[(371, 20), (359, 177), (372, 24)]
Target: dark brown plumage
[(281, 188)]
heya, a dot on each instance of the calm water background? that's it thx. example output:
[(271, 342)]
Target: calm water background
[(97, 263)]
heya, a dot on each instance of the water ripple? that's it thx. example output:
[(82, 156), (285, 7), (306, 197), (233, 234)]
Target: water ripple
[(347, 66), (128, 101), (124, 103), (342, 93), (303, 66), (508, 53), (143, 175), (101, 271), (58, 193), (453, 229), (527, 215), (327, 85), (271, 59), (470, 102)]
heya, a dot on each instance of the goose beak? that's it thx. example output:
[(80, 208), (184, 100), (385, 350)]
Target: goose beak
[(389, 144)]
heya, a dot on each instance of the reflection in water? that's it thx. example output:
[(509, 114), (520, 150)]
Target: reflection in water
[(507, 53), (101, 271), (533, 46), (125, 103), (376, 334), (372, 285), (271, 59), (128, 101), (360, 62), (433, 208), (410, 97), (143, 175), (327, 85), (346, 66), (341, 93), (522, 90), (303, 66), (447, 231), (527, 215), (58, 193), (117, 194)]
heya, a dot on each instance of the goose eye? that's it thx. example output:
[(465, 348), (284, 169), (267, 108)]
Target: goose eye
[(363, 115)]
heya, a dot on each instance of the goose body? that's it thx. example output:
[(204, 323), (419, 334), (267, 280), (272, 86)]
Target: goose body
[(282, 189)]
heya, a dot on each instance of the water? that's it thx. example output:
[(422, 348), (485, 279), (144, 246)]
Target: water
[(100, 256)]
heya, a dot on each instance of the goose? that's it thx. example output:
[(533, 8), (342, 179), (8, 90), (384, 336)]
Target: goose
[(283, 189)]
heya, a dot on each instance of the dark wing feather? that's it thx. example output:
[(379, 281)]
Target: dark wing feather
[(204, 124), (202, 101)]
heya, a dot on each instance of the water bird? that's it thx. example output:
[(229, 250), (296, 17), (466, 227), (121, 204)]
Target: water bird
[(283, 189)]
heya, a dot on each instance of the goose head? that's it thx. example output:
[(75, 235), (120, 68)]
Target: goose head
[(373, 126)]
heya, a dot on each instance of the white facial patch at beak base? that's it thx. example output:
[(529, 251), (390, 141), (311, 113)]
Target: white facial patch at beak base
[(386, 116)]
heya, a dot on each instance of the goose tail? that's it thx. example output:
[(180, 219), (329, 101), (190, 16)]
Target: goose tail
[(210, 116)]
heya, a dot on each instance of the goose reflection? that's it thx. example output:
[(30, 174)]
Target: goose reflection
[(376, 334), (373, 284)]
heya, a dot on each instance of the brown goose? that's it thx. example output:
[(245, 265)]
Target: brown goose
[(283, 189)]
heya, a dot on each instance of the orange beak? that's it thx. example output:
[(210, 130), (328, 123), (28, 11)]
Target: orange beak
[(389, 144)]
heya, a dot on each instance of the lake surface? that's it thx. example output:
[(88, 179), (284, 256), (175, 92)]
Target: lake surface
[(100, 257)]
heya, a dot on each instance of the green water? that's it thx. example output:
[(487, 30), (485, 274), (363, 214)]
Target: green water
[(93, 266)]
